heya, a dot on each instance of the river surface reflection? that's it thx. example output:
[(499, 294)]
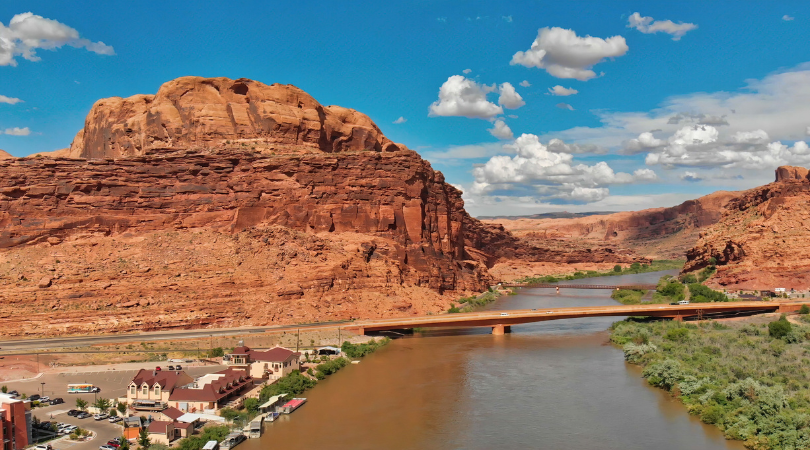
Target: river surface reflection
[(550, 385)]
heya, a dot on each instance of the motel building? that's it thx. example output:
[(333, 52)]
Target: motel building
[(269, 365), (149, 390), (210, 393), (15, 423)]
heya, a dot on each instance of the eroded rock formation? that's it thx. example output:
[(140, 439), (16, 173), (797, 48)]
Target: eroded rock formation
[(230, 202), (658, 233), (759, 242)]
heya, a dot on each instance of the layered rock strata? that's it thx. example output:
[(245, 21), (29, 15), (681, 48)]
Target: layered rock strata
[(760, 241)]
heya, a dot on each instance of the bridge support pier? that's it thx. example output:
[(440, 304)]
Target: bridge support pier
[(500, 330)]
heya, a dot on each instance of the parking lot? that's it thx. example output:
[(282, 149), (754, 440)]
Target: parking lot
[(112, 380)]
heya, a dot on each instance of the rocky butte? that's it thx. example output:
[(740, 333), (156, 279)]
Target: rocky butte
[(657, 233), (220, 202), (759, 243)]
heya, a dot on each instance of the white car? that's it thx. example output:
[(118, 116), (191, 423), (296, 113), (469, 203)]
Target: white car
[(100, 416), (114, 419), (504, 314), (107, 447), (45, 399)]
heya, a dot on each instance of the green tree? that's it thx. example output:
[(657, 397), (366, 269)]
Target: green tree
[(252, 405), (81, 404), (102, 404), (635, 266), (216, 352), (803, 310), (4, 389), (124, 444), (122, 408), (143, 439), (779, 328), (617, 268)]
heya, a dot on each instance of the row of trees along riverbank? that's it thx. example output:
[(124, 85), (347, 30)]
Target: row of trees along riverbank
[(671, 289), (655, 266), (748, 379)]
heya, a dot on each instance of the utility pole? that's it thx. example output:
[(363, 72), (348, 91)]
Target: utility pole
[(42, 390), (212, 344), (297, 339)]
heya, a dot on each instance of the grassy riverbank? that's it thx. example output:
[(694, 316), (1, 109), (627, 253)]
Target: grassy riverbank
[(670, 290), (749, 379), (654, 266)]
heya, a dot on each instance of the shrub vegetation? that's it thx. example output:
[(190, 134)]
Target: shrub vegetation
[(749, 380)]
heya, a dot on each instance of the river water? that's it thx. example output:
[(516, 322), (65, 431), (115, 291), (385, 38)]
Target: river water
[(550, 385)]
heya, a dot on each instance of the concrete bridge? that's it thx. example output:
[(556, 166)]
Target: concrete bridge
[(612, 287), (502, 320)]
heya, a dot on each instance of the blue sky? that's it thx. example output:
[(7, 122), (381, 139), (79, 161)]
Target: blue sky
[(714, 99)]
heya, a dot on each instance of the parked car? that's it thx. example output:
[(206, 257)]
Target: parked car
[(73, 412), (44, 399), (82, 415), (113, 443), (57, 401), (118, 439), (14, 393), (106, 447), (171, 367), (114, 419), (178, 367), (100, 416), (34, 397), (43, 447)]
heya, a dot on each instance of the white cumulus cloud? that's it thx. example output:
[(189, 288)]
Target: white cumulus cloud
[(563, 54), (501, 130), (466, 71), (28, 32), (9, 100), (787, 18), (549, 174), (647, 25), (400, 120), (691, 176), (562, 91), (509, 98), (460, 96), (525, 83), (16, 131), (565, 106)]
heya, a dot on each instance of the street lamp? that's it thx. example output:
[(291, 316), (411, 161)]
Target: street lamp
[(42, 393)]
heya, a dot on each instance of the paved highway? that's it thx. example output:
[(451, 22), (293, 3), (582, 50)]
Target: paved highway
[(17, 345)]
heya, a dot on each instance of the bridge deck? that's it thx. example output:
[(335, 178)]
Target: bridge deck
[(514, 317), (581, 286)]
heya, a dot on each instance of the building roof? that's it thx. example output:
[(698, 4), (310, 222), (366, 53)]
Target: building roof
[(278, 354), (167, 379), (172, 413), (184, 425), (231, 380), (132, 422), (273, 400), (191, 417), (158, 426)]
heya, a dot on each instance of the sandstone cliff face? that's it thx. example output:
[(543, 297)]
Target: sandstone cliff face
[(5, 155), (760, 241), (230, 202), (659, 233), (217, 112)]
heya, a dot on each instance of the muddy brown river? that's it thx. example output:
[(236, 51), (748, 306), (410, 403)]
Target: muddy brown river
[(551, 385)]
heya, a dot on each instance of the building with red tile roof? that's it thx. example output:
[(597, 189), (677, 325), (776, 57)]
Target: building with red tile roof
[(211, 392), (149, 390), (269, 364)]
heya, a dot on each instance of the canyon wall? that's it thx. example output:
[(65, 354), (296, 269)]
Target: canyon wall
[(759, 242), (224, 202), (658, 233)]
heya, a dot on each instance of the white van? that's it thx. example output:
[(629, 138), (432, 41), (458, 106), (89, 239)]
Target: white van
[(683, 302), (211, 445)]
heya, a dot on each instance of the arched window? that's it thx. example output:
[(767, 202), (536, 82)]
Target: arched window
[(145, 389), (157, 390)]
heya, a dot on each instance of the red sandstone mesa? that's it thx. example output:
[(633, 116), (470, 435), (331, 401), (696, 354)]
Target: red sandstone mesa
[(230, 202)]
